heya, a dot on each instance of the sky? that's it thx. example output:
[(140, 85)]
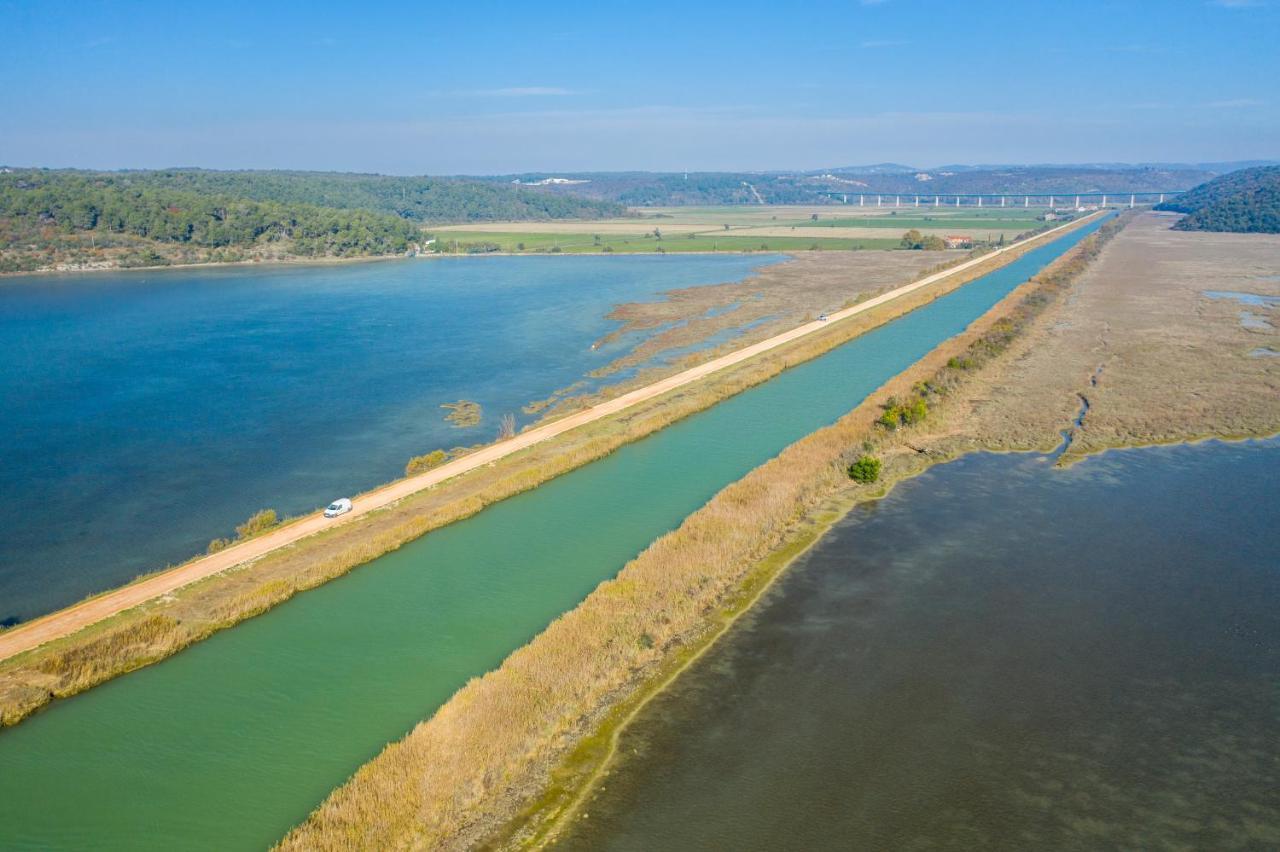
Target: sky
[(498, 88)]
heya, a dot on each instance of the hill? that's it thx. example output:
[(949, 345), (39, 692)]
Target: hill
[(836, 185), (430, 200), (70, 219), (79, 220), (1247, 201)]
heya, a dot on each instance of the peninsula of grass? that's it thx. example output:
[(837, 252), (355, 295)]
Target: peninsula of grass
[(156, 630)]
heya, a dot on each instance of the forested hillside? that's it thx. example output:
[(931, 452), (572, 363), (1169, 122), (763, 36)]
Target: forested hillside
[(840, 185), (50, 219), (77, 219), (421, 199), (1247, 201)]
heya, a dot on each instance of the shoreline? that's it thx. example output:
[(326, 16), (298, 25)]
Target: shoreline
[(232, 264)]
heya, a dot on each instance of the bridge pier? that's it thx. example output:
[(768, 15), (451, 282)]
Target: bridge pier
[(917, 201), (937, 202), (1026, 201), (877, 201), (897, 201), (1104, 201), (957, 201), (1130, 202)]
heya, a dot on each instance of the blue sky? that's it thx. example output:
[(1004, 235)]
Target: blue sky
[(471, 88)]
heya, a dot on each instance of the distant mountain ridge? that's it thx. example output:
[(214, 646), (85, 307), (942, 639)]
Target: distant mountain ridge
[(1245, 201), (845, 184)]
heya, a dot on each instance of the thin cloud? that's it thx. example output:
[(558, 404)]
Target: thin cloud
[(1237, 4), (524, 92), (1235, 103), (883, 42)]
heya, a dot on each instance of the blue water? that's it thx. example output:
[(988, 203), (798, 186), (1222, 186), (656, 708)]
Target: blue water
[(146, 413), (998, 656), (229, 743)]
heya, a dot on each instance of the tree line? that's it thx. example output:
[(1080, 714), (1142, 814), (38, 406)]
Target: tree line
[(37, 207)]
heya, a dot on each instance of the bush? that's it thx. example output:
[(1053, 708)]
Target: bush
[(257, 524), (915, 411), (423, 463), (865, 470), (218, 544)]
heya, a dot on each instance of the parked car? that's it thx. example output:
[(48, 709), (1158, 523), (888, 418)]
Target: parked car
[(337, 507), (822, 317)]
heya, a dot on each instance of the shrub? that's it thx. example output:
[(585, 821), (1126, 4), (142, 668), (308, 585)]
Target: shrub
[(218, 544), (257, 524), (865, 470), (915, 411), (423, 463)]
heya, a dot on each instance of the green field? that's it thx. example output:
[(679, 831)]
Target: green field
[(929, 220), (582, 243)]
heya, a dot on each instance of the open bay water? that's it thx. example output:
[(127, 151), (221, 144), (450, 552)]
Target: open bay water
[(999, 655), (231, 742), (145, 413)]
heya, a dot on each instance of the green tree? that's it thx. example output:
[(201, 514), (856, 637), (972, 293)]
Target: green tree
[(865, 470)]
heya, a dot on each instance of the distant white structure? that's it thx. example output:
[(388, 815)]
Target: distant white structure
[(556, 181)]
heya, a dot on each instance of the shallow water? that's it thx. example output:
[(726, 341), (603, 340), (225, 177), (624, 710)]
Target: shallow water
[(146, 413), (1257, 299), (999, 655), (229, 743)]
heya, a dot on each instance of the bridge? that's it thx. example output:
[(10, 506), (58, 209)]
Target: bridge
[(1089, 198)]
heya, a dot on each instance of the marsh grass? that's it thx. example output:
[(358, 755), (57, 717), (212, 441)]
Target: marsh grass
[(507, 757), (463, 414)]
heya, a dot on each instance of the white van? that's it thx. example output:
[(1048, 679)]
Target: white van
[(337, 507)]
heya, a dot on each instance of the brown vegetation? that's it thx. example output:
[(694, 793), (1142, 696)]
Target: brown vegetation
[(463, 413)]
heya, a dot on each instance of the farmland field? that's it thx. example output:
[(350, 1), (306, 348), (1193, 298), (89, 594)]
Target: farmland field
[(736, 229)]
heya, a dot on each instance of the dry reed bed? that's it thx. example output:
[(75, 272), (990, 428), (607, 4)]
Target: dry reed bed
[(161, 628), (461, 778)]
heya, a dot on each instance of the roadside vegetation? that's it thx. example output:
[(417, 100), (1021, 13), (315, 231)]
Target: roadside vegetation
[(134, 638), (262, 521), (513, 752)]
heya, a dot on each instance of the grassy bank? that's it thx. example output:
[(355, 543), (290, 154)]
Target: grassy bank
[(156, 630), (527, 738)]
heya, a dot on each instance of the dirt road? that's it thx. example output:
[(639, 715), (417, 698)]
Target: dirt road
[(78, 616)]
